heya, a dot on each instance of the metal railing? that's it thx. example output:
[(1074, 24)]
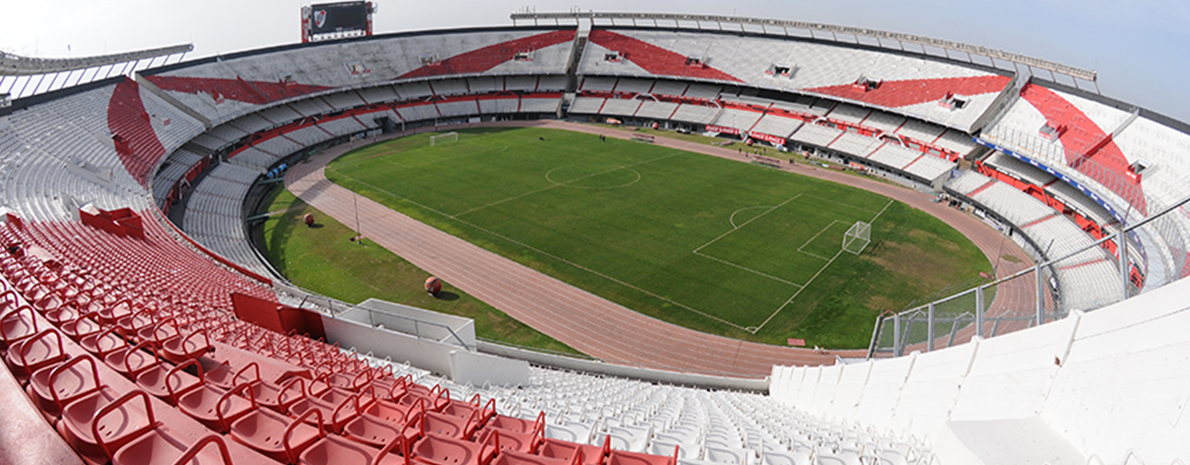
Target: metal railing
[(1027, 298), (334, 308)]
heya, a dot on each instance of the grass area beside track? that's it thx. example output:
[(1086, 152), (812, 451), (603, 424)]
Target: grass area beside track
[(323, 259)]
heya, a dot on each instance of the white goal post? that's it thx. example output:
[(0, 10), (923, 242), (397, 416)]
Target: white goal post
[(857, 237), (440, 138)]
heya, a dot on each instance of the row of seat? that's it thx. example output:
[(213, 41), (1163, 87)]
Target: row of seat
[(621, 419), (744, 113), (326, 362), (138, 361), (352, 67), (812, 67), (84, 364), (158, 269), (707, 427)]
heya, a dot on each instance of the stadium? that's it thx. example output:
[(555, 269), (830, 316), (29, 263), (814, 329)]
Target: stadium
[(144, 322)]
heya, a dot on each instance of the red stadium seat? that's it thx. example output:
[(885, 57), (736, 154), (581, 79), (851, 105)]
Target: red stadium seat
[(383, 382), (62, 314), (130, 361), (335, 396), (216, 408), (167, 382), (448, 425), (516, 425), (267, 394), (386, 456), (372, 430), (433, 449), (518, 442), (158, 447), (17, 325), (517, 438), (512, 457), (53, 387), (221, 376), (319, 385), (279, 396), (34, 353), (467, 409), (103, 342), (35, 291), (103, 421), (369, 427), (109, 314), (8, 298), (132, 324), (277, 436), (48, 303), (334, 450), (158, 332), (436, 398), (335, 415), (566, 450), (619, 457), (80, 327), (352, 381), (182, 346)]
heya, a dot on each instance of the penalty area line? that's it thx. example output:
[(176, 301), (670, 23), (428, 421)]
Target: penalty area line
[(795, 294), (820, 270), (759, 273), (828, 226)]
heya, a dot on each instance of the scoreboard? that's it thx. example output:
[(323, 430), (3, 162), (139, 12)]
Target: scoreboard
[(336, 20)]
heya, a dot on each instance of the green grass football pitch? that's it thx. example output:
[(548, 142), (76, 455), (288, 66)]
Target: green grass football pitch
[(719, 246)]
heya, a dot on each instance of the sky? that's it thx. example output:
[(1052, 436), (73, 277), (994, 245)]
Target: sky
[(1140, 48)]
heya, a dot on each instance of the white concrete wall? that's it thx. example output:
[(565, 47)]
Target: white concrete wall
[(479, 368), (422, 353), (460, 365), (464, 328)]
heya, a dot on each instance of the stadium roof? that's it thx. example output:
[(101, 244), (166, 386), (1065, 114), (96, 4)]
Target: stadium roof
[(16, 65), (879, 35)]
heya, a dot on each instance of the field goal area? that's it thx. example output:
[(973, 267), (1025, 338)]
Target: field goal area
[(857, 237), (444, 138)]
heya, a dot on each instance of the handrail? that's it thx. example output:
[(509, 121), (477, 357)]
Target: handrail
[(416, 321)]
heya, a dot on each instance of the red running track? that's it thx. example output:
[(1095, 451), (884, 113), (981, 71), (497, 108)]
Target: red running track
[(584, 321)]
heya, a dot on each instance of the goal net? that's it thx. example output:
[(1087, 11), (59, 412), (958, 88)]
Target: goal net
[(444, 138), (857, 237)]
